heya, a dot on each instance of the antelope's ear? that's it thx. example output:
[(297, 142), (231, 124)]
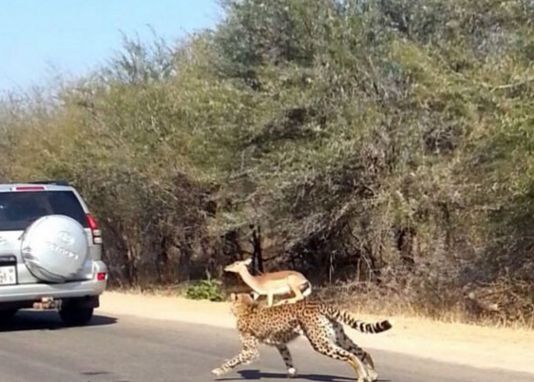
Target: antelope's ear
[(248, 261)]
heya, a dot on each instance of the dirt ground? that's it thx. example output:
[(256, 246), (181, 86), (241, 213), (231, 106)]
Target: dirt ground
[(504, 348)]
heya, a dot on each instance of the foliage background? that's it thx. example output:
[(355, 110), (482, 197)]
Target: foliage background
[(383, 144)]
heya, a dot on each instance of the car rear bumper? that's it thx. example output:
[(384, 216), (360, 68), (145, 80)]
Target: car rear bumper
[(33, 292)]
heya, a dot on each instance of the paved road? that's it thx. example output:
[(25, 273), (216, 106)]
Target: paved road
[(36, 347)]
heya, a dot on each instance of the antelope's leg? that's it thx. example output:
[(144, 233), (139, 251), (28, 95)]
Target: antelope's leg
[(294, 284)]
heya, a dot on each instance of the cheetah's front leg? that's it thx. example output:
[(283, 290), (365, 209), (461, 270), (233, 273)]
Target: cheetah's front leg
[(288, 360), (248, 354)]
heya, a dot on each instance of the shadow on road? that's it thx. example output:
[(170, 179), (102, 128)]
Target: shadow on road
[(46, 320), (259, 375)]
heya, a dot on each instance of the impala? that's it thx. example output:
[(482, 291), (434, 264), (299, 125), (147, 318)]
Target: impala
[(273, 283)]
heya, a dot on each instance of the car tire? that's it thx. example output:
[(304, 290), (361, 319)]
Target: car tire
[(6, 315), (76, 316), (54, 248)]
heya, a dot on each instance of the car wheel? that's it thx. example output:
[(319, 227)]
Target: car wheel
[(54, 248), (76, 316)]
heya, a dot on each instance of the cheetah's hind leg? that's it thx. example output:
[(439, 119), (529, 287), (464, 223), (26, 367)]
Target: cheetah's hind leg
[(321, 343), (344, 341)]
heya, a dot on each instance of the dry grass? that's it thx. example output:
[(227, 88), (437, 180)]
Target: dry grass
[(371, 300), (172, 290)]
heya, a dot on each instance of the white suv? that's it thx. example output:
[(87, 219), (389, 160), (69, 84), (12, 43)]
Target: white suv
[(50, 252)]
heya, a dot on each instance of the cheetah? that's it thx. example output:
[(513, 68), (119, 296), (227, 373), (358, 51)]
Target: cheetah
[(320, 323)]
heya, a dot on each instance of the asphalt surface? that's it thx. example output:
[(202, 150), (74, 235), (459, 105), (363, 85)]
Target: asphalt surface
[(35, 346)]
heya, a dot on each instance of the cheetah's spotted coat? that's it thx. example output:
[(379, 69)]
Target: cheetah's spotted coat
[(320, 323)]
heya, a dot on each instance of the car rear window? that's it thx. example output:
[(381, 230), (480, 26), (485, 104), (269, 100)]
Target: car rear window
[(19, 209)]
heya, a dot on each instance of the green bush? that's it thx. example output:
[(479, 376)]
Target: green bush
[(205, 290)]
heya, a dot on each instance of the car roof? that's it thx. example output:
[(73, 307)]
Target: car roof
[(8, 187)]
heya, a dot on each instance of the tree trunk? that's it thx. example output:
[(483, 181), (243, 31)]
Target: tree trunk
[(257, 256)]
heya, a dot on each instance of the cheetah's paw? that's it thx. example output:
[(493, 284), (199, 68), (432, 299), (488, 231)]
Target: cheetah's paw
[(291, 372), (218, 371)]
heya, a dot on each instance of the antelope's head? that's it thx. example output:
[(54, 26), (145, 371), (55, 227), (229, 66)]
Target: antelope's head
[(238, 266)]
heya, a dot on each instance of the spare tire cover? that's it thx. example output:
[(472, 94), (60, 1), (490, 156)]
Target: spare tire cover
[(54, 248)]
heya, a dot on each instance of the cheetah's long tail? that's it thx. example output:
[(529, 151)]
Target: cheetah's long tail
[(362, 326)]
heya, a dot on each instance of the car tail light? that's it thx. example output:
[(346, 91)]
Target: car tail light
[(30, 188), (101, 276), (93, 225)]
